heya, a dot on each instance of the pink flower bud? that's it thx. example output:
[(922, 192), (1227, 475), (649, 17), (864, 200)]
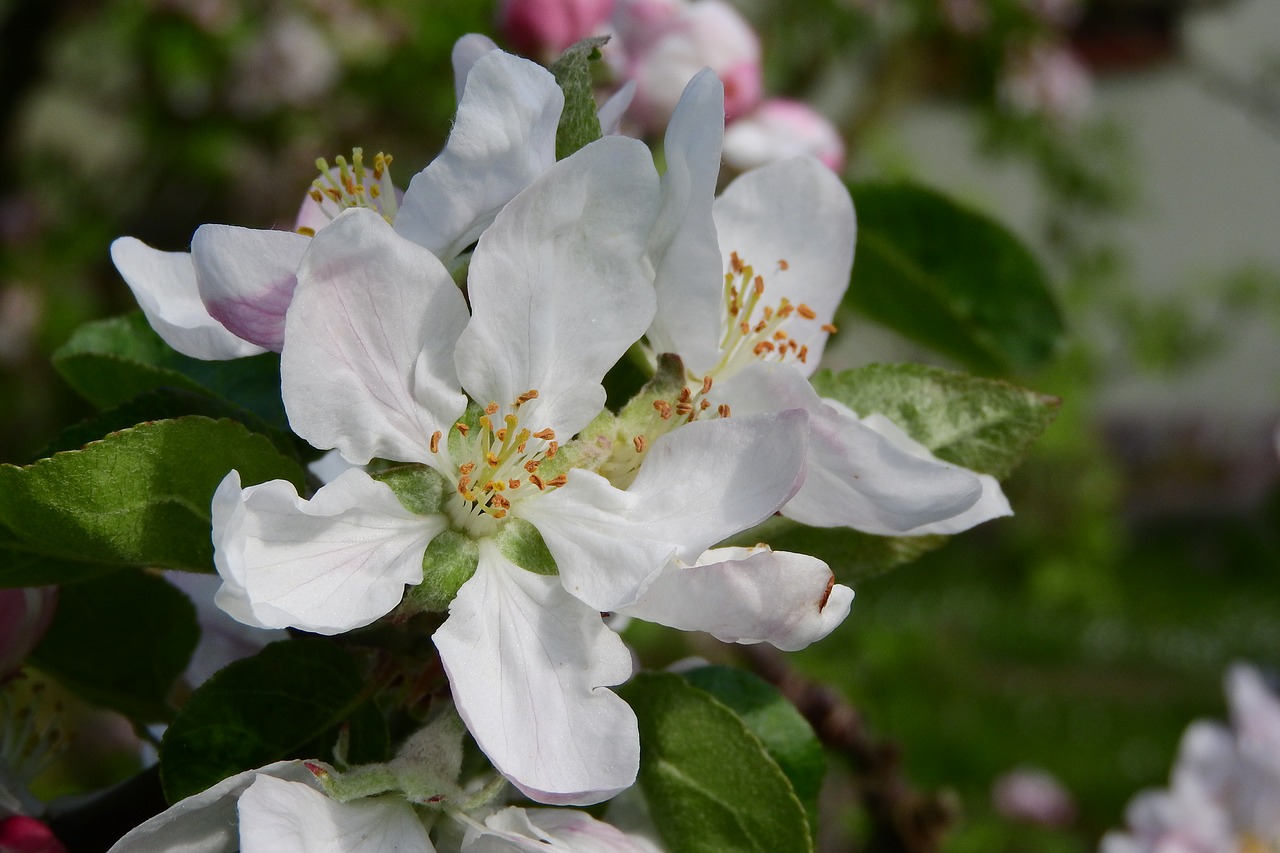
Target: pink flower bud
[(25, 614), (20, 834), (546, 27), (662, 44), (780, 129), (1048, 80), (1033, 796)]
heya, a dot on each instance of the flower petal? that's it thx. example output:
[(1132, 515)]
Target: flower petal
[(466, 52), (992, 503), (205, 822), (367, 366), (327, 565), (504, 136), (290, 817), (743, 596), (516, 830), (528, 665), (856, 477), (246, 278), (699, 484), (558, 286), (164, 283), (683, 247), (796, 211), (611, 111)]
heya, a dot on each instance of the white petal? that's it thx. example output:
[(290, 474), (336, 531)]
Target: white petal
[(246, 278), (796, 211), (558, 286), (711, 479), (992, 503), (535, 830), (327, 565), (288, 817), (529, 666), (611, 111), (856, 477), (367, 366), (683, 247), (204, 822), (466, 52), (164, 283), (504, 136), (605, 558), (743, 596), (699, 484)]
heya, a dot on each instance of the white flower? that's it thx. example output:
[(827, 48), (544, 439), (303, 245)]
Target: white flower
[(227, 298), (282, 809), (1224, 793), (378, 347), (779, 129), (747, 287)]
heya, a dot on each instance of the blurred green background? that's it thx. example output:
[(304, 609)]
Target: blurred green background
[(1079, 637)]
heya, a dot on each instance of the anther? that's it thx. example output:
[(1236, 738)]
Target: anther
[(759, 285), (435, 441), (735, 262), (500, 502), (467, 467), (462, 428), (724, 410), (763, 347), (492, 459), (558, 481), (685, 395), (552, 448), (532, 465), (513, 484), (783, 265), (706, 384), (526, 397), (663, 408), (639, 443), (704, 405), (684, 408), (537, 481), (806, 312), (547, 434), (305, 231), (491, 409), (829, 328)]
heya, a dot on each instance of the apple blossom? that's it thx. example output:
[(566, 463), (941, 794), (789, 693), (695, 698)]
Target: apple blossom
[(1047, 80), (779, 129), (1225, 784), (662, 44), (378, 342), (25, 614), (227, 298), (750, 336)]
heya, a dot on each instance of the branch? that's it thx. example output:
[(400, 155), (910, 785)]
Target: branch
[(903, 820)]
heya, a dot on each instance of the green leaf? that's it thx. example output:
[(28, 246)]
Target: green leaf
[(852, 554), (121, 642), (786, 735), (983, 424), (709, 781), (139, 497), (952, 279), (259, 710), (111, 361), (579, 124), (162, 404)]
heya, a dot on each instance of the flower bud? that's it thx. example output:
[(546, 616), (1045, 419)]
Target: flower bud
[(663, 44), (1033, 796), (544, 28), (1047, 80), (21, 834), (779, 129), (25, 614)]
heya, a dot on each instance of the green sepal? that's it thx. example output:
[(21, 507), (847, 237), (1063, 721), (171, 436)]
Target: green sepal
[(421, 489), (710, 782), (521, 543), (579, 124), (449, 562)]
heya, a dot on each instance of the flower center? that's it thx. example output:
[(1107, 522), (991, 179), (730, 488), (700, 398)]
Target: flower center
[(753, 328), (500, 465), (345, 185)]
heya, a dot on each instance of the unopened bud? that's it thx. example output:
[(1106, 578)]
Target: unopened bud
[(25, 614), (544, 28), (778, 130), (21, 834)]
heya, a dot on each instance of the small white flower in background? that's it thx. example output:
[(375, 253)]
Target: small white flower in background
[(544, 28), (378, 347), (748, 284), (662, 44), (1033, 796), (1047, 80), (227, 298), (780, 129), (1224, 792)]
